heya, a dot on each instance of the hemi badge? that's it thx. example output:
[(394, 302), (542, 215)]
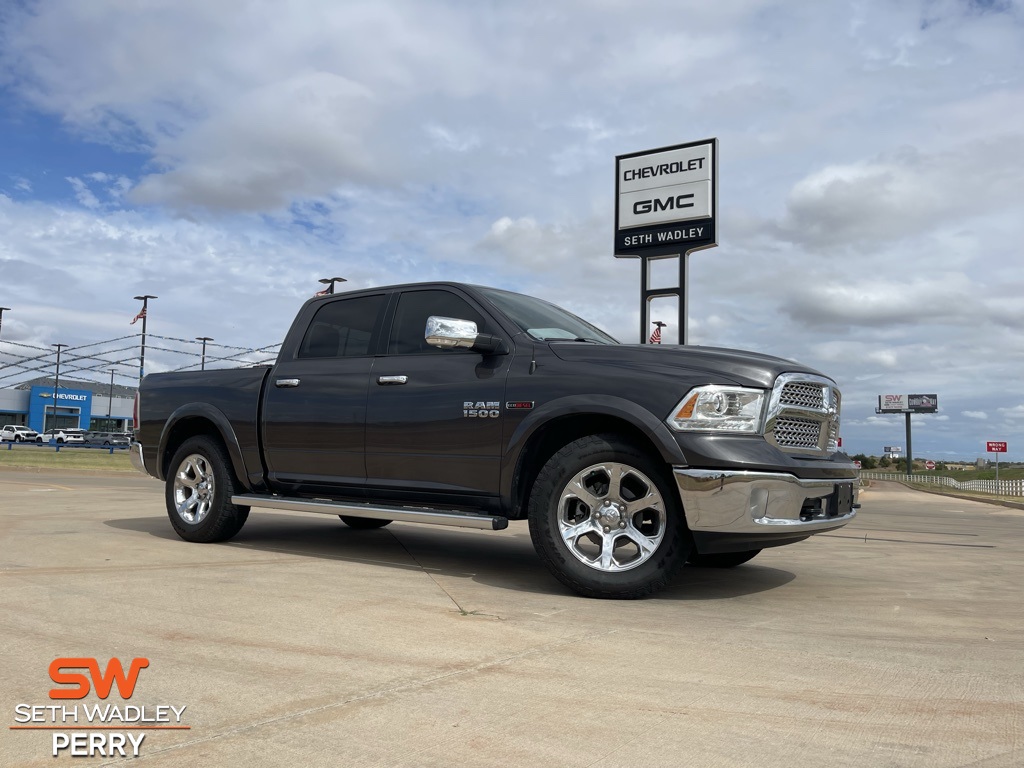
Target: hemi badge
[(519, 405)]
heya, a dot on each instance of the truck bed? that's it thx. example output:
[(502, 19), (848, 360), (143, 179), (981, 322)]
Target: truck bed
[(229, 397)]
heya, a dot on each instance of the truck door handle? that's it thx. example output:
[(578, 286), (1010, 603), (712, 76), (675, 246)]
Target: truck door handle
[(392, 379), (286, 383)]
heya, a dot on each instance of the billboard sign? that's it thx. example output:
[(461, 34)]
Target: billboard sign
[(892, 403), (907, 403), (995, 447), (923, 403), (894, 449), (666, 200)]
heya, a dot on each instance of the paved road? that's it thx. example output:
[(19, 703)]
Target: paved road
[(898, 641)]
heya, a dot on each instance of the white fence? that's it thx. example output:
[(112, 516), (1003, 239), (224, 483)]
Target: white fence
[(1001, 488)]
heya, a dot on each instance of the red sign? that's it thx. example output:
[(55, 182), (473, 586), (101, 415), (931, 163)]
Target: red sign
[(929, 465), (995, 447)]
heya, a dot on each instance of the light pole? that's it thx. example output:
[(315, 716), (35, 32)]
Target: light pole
[(2, 310), (330, 281), (56, 383), (142, 358), (204, 339), (110, 396)]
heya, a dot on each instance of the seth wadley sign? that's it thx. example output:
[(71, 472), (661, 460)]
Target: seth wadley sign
[(666, 200)]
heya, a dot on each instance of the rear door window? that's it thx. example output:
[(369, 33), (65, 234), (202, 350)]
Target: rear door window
[(342, 328)]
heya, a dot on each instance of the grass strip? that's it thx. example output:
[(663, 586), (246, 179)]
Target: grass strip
[(31, 457)]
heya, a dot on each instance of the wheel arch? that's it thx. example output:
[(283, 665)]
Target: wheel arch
[(199, 419), (558, 423)]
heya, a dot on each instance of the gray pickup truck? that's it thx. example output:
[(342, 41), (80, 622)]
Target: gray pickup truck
[(454, 404)]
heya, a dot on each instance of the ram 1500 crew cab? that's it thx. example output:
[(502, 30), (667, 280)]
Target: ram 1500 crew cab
[(459, 405)]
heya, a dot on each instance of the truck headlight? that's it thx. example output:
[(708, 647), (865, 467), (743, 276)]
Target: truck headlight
[(719, 409)]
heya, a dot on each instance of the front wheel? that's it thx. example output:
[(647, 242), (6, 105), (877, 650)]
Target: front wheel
[(199, 490), (722, 559), (604, 520)]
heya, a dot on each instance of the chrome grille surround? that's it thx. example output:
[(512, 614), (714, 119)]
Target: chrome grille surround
[(803, 415)]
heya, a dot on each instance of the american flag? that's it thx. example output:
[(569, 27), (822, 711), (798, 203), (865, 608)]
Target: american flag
[(656, 334), (324, 292), (140, 316)]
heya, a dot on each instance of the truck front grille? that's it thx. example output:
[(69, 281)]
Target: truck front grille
[(797, 433), (803, 414), (803, 395)]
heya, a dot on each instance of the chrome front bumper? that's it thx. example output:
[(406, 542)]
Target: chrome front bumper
[(762, 502), (135, 452)]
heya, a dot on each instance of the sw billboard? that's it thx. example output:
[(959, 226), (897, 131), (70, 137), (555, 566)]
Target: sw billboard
[(908, 403)]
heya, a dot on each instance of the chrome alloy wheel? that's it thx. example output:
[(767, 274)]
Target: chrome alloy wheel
[(194, 488), (611, 517)]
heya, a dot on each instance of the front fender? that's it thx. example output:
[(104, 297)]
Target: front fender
[(653, 428)]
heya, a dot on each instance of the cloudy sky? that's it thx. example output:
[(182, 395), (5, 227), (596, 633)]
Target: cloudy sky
[(226, 155)]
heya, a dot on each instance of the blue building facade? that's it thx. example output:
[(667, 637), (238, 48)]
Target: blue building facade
[(74, 408)]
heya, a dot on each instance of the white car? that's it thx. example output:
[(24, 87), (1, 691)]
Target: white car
[(15, 433), (61, 436)]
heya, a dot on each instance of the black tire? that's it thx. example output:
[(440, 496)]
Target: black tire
[(201, 482), (589, 539), (363, 523), (17, 438), (722, 559)]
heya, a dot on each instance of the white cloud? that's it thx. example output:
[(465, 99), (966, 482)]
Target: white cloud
[(870, 177), (83, 194), (1016, 413)]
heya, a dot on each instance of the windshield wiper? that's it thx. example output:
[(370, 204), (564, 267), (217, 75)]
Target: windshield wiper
[(570, 338)]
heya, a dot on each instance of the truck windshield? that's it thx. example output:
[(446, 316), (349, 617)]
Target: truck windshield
[(543, 320)]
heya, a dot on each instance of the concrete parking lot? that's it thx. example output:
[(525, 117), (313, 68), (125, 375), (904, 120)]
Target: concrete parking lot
[(898, 641)]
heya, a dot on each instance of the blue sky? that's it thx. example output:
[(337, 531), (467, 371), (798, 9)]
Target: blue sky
[(224, 156)]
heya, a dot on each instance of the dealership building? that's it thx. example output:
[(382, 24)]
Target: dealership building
[(80, 404)]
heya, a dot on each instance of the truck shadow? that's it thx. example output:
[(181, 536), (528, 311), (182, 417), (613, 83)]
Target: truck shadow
[(504, 560)]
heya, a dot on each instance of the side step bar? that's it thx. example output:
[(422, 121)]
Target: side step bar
[(401, 514)]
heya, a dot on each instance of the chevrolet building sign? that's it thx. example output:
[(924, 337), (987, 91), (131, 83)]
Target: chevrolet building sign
[(666, 200)]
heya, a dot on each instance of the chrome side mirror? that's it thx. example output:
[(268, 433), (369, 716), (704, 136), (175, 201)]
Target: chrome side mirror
[(453, 333), (450, 332)]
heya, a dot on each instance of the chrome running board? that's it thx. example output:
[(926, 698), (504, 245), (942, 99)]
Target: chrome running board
[(401, 514)]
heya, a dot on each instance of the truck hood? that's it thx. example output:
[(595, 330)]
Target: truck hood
[(721, 366)]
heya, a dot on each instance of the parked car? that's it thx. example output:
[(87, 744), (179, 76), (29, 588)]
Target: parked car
[(106, 438), (61, 436), (15, 433)]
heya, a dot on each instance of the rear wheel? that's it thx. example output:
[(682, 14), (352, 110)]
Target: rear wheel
[(363, 523), (199, 490), (604, 520), (722, 559)]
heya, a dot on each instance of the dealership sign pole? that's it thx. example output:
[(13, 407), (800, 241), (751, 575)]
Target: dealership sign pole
[(908, 404), (996, 448), (666, 203)]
